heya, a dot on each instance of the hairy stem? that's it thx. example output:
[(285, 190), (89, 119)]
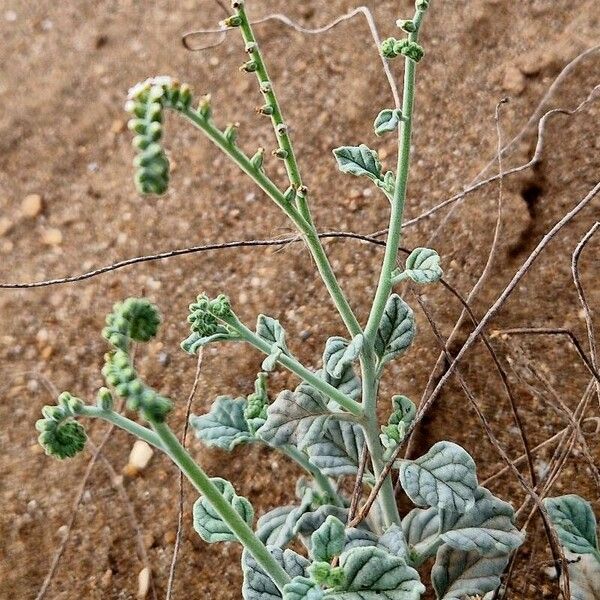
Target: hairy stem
[(204, 485)]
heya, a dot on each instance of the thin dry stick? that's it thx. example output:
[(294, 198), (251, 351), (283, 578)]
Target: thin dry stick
[(589, 323), (489, 315), (557, 552), (358, 482), (188, 409)]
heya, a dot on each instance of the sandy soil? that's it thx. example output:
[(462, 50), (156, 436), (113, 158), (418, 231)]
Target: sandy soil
[(65, 71)]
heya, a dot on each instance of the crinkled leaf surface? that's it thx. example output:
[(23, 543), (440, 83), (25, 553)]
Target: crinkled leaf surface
[(348, 383), (445, 478), (423, 266), (302, 588), (574, 521), (394, 542), (488, 527), (224, 425), (396, 331), (340, 353), (374, 574), (271, 330), (584, 575), (297, 418), (387, 120), (328, 540), (457, 573), (258, 585), (207, 522), (309, 522), (420, 527), (358, 160)]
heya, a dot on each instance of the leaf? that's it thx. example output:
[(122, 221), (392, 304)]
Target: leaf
[(358, 160), (486, 528), (584, 575), (309, 522), (575, 523), (224, 425), (339, 353), (444, 478), (396, 331), (195, 341), (387, 120), (457, 573), (271, 359), (270, 330), (328, 540), (297, 417), (394, 542), (357, 538), (302, 588), (423, 266), (374, 574), (348, 383), (258, 585), (207, 521), (420, 528)]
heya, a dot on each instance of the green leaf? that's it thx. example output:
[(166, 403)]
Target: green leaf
[(338, 450), (224, 425), (487, 528), (207, 522), (575, 523), (445, 478), (309, 522), (584, 575), (328, 540), (339, 353), (302, 588), (348, 383), (374, 574), (423, 266), (387, 120), (396, 331), (394, 542), (270, 330), (420, 528), (457, 573), (297, 417), (258, 585), (358, 160)]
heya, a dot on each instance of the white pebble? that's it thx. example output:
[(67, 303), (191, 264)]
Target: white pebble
[(143, 583), (140, 455)]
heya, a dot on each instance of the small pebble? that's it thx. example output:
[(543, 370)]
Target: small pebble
[(106, 579), (514, 80), (140, 455), (143, 583), (5, 226), (32, 206), (52, 237)]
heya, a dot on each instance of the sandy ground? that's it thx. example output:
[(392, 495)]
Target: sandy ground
[(65, 71)]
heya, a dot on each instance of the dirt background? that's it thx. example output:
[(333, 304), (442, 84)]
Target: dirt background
[(65, 70)]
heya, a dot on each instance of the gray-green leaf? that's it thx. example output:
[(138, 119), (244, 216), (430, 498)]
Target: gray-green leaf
[(423, 266), (297, 417), (374, 574), (309, 522), (387, 120), (207, 521), (339, 353), (302, 588), (445, 478), (348, 383), (584, 575), (195, 341), (575, 523), (224, 425), (396, 331), (457, 573), (394, 542), (358, 160), (328, 540), (421, 527), (487, 528), (270, 330)]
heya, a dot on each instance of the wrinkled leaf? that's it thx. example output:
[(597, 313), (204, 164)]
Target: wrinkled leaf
[(270, 330), (374, 574), (309, 522), (444, 478), (224, 425), (348, 383), (258, 585), (387, 120), (328, 540), (339, 354), (358, 160), (575, 523), (207, 522), (394, 542), (584, 575), (396, 331), (302, 588), (423, 266), (297, 417), (486, 528), (457, 573)]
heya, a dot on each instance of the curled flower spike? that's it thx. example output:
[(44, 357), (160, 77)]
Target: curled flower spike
[(146, 102), (133, 319), (60, 435)]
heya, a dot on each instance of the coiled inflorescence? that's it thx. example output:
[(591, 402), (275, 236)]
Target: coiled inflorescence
[(391, 48), (146, 102), (60, 435), (134, 319), (206, 322)]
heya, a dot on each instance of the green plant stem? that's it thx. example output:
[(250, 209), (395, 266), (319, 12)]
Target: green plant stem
[(306, 228), (204, 485), (321, 480), (298, 369)]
